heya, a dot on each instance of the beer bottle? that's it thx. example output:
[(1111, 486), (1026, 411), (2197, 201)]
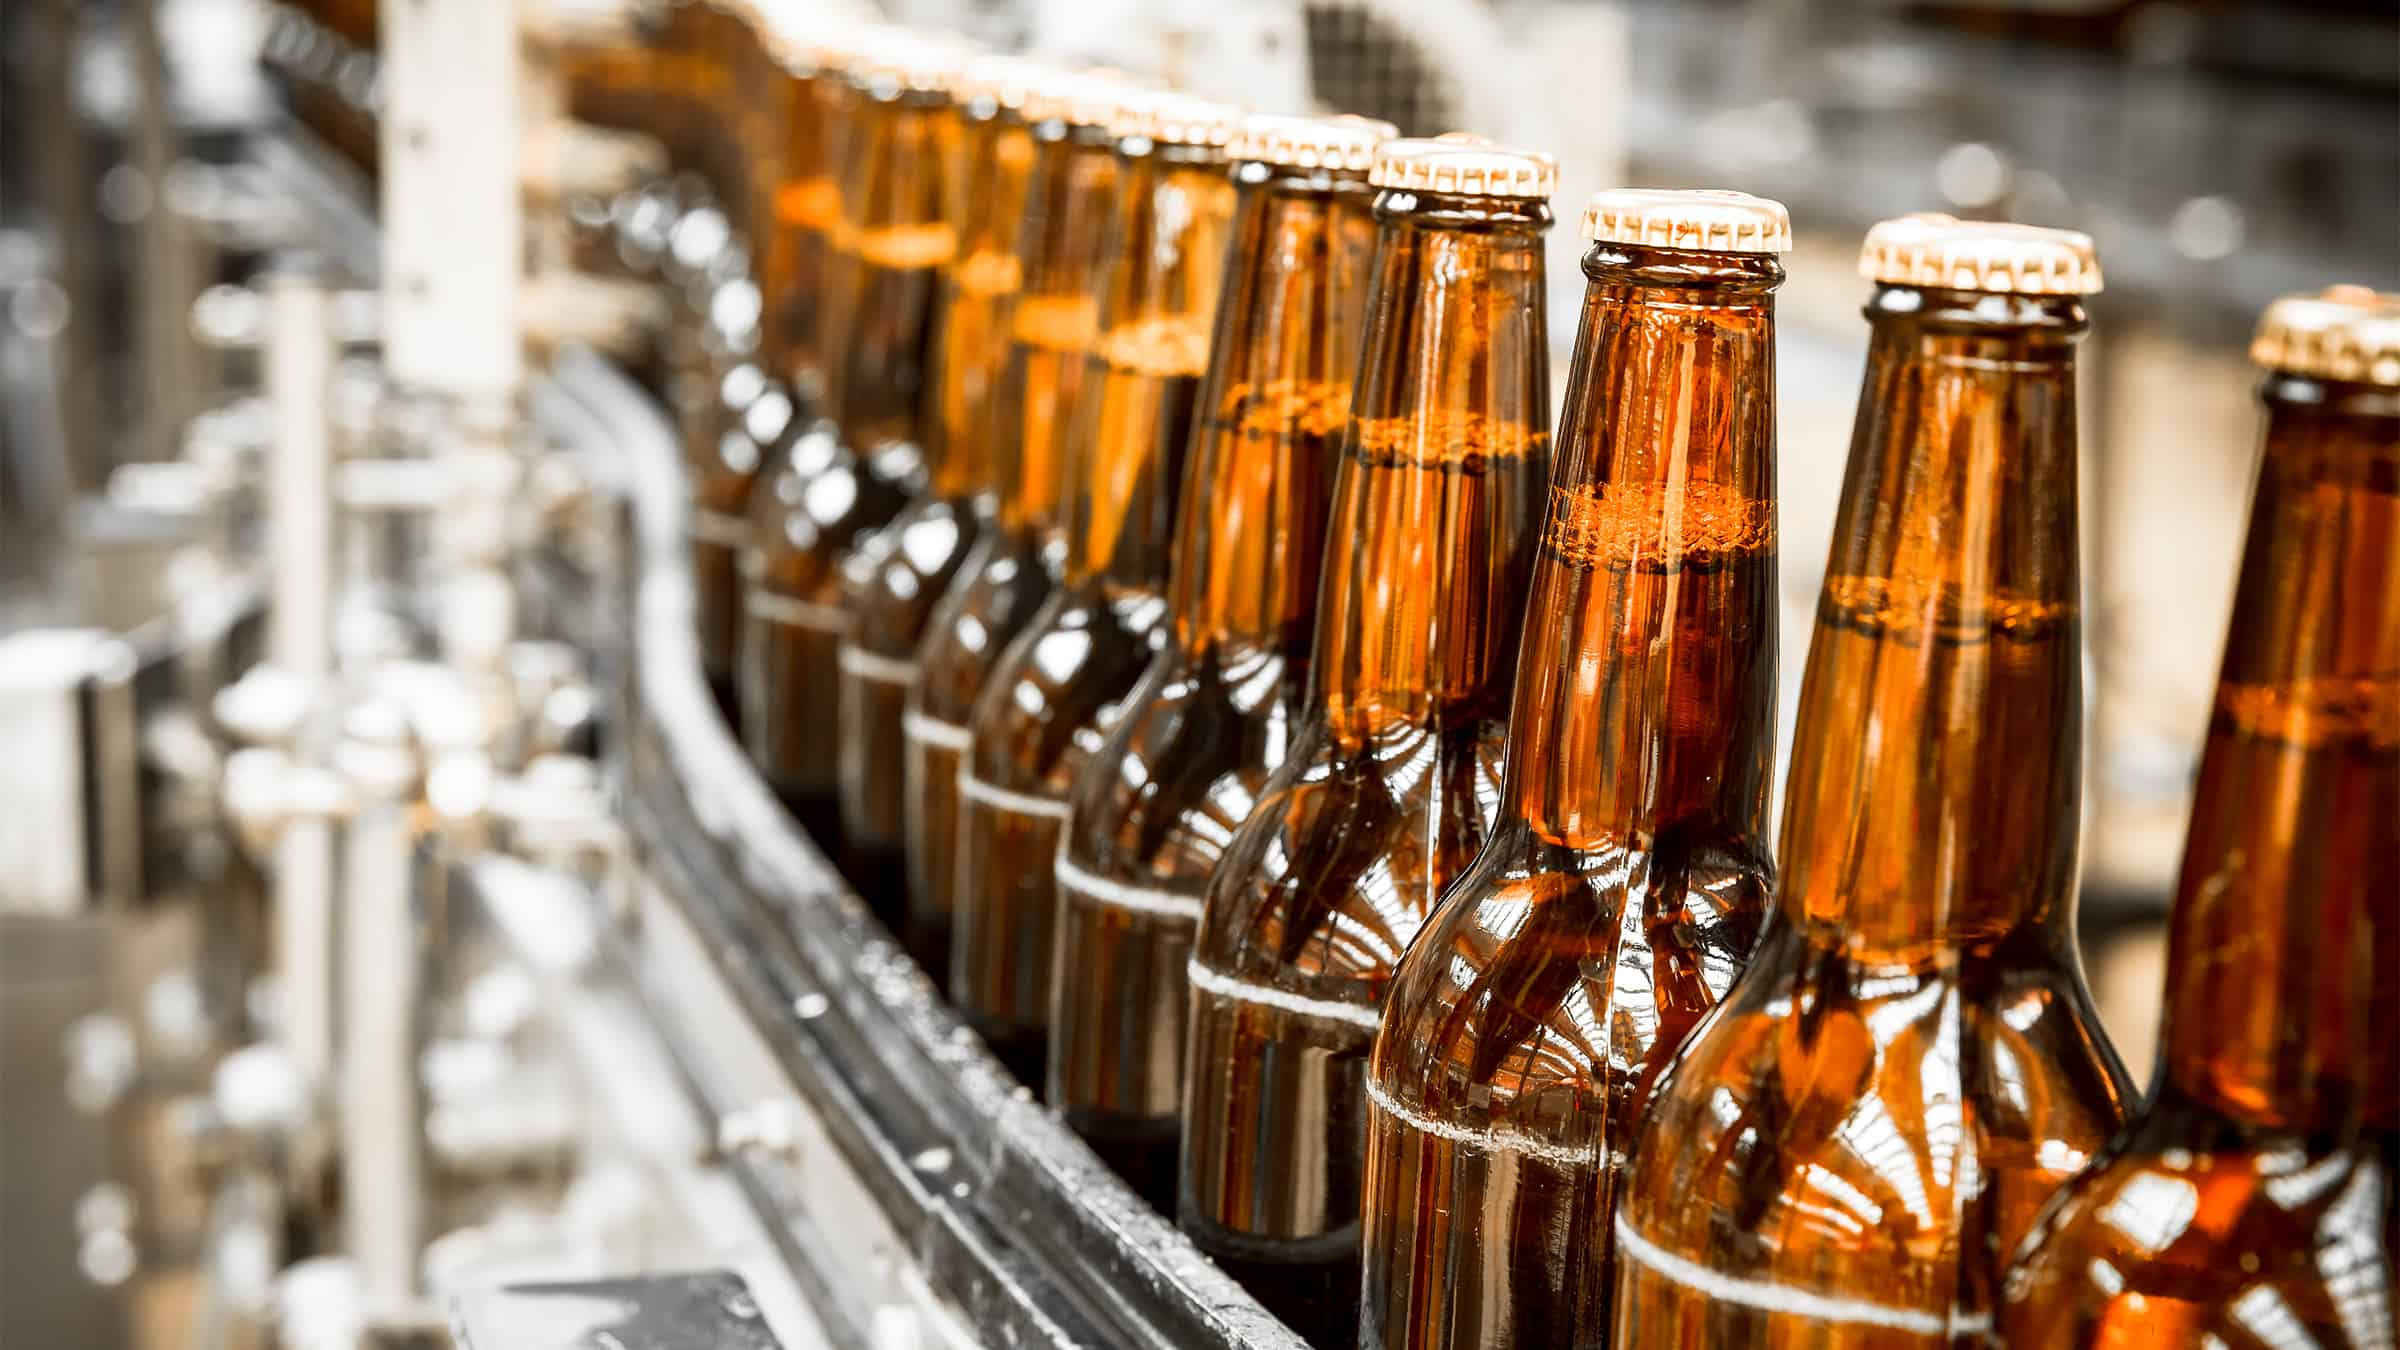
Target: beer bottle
[(730, 434), (900, 571), (1216, 709), (1060, 684), (1630, 867), (1392, 784), (1070, 203), (2250, 1201), (850, 472), (1847, 1150)]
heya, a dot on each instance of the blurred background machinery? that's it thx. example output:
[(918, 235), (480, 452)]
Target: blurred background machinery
[(332, 546)]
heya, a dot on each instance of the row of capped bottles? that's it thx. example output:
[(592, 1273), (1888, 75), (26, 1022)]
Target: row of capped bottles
[(1349, 807)]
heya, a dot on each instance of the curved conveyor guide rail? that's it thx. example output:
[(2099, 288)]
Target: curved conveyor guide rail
[(1011, 1218)]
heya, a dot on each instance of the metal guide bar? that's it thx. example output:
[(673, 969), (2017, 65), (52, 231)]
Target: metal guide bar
[(1019, 1224)]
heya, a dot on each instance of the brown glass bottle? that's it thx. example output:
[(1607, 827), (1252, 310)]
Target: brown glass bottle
[(851, 472), (778, 391), (1062, 681), (732, 358), (1070, 205), (1850, 1145), (1629, 870), (2250, 1201), (900, 572), (1392, 784), (1218, 705)]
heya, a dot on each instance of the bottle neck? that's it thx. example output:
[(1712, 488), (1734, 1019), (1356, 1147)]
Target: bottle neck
[(2281, 1001), (1157, 303), (806, 206), (1645, 695), (984, 194), (1260, 485), (1936, 763), (1437, 498), (896, 241), (1070, 206)]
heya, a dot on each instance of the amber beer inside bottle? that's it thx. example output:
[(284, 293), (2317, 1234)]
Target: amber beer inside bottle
[(852, 472), (1052, 696), (900, 572), (1848, 1148), (805, 209), (1070, 203), (1390, 788), (2251, 1200), (1629, 870), (1218, 705)]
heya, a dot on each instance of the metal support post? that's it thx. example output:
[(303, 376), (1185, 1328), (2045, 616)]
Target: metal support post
[(299, 362), (383, 945)]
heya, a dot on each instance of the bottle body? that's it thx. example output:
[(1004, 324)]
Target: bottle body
[(1910, 1064), (1391, 787), (1530, 1021), (2258, 1180)]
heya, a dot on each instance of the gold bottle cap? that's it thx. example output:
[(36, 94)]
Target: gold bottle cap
[(1931, 249), (816, 45), (1463, 167), (1172, 118), (1344, 142), (1008, 81), (2341, 333), (1084, 98), (1710, 220), (916, 62)]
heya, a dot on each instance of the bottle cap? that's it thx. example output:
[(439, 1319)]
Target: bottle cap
[(2341, 333), (1084, 98), (1931, 249), (1344, 142), (1459, 167), (1711, 221), (1008, 81), (1172, 118), (918, 63), (816, 45)]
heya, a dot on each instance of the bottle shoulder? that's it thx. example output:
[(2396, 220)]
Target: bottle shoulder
[(1057, 689), (901, 571), (998, 587), (804, 525), (1530, 978), (1346, 854), (1181, 769), (2185, 1247), (1870, 1133)]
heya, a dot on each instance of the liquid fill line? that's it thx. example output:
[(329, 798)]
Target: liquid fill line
[(867, 665), (1776, 1298), (1267, 995), (722, 528), (933, 731), (973, 789), (1490, 1138), (792, 612), (1119, 895)]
